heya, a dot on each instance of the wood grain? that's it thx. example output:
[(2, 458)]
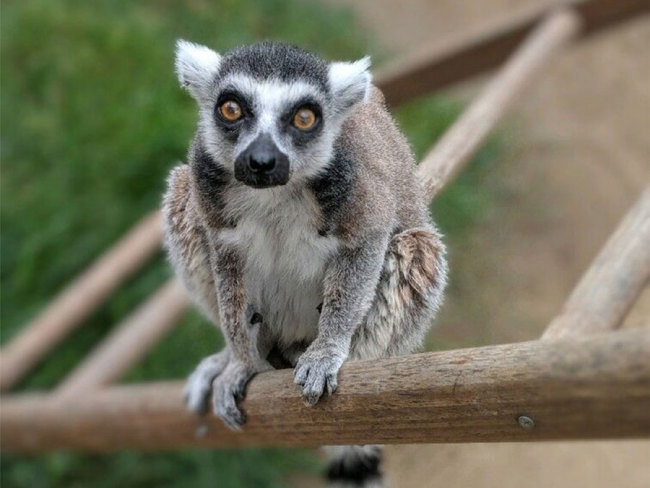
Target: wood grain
[(443, 62), (614, 281), (596, 386), (76, 302)]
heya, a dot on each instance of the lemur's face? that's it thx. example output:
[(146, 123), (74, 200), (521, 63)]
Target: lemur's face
[(270, 113)]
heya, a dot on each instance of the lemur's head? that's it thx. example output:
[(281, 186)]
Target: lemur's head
[(270, 112)]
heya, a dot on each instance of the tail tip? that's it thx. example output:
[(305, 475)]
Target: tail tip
[(357, 471)]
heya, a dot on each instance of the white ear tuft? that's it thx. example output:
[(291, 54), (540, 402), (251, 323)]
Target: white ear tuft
[(350, 82), (196, 67)]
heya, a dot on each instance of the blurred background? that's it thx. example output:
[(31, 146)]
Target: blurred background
[(93, 119)]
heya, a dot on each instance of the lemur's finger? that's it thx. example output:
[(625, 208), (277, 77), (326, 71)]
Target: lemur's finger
[(231, 416), (234, 420), (225, 404), (300, 374), (313, 389), (332, 383)]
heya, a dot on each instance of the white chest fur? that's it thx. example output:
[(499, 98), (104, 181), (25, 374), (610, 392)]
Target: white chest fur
[(277, 231)]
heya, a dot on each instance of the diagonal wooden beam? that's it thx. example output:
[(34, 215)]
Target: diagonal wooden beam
[(595, 386), (129, 342), (76, 302), (464, 137), (444, 62), (614, 281)]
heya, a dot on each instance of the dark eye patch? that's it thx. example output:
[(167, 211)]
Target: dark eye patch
[(232, 129), (302, 137)]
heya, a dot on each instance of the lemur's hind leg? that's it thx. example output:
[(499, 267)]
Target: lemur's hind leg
[(408, 295)]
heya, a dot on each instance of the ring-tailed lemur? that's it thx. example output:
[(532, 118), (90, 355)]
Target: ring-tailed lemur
[(298, 226)]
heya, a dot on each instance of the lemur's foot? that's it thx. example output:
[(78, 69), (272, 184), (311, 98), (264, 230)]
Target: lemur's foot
[(317, 370), (229, 388), (199, 384)]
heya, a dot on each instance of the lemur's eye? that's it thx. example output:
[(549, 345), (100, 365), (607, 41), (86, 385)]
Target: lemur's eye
[(304, 119), (230, 111)]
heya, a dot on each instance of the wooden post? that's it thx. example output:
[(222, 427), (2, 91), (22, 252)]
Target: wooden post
[(453, 59), (595, 386), (614, 281), (79, 300), (458, 144), (129, 342)]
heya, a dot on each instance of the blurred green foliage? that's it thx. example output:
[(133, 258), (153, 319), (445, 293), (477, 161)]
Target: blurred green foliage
[(92, 119)]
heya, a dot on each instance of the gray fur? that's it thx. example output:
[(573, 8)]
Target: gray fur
[(275, 60), (349, 230)]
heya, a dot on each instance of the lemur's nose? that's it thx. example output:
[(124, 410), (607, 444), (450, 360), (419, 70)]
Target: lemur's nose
[(261, 163), (262, 155)]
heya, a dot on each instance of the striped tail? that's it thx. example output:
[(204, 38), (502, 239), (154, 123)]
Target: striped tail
[(354, 467)]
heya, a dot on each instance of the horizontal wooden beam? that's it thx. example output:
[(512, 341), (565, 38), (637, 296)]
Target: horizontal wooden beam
[(614, 281), (464, 137), (444, 62), (596, 386), (129, 342), (81, 298)]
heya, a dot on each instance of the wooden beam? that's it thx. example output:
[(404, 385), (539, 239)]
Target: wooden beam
[(614, 281), (595, 386), (444, 62), (129, 342), (83, 296), (464, 137)]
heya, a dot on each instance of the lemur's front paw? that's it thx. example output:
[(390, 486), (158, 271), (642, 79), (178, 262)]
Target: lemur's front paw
[(317, 370), (199, 384), (229, 388)]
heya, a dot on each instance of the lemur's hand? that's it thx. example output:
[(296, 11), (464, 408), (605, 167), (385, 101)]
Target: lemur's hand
[(229, 388), (226, 378), (317, 370)]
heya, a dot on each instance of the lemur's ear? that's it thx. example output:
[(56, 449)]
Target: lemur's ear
[(196, 67), (350, 82)]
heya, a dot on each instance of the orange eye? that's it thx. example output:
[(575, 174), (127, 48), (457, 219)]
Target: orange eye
[(230, 110), (304, 119)]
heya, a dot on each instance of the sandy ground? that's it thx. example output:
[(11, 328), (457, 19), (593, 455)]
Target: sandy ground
[(579, 156)]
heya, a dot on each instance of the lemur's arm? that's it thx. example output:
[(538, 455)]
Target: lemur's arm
[(227, 270), (349, 289), (240, 335)]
